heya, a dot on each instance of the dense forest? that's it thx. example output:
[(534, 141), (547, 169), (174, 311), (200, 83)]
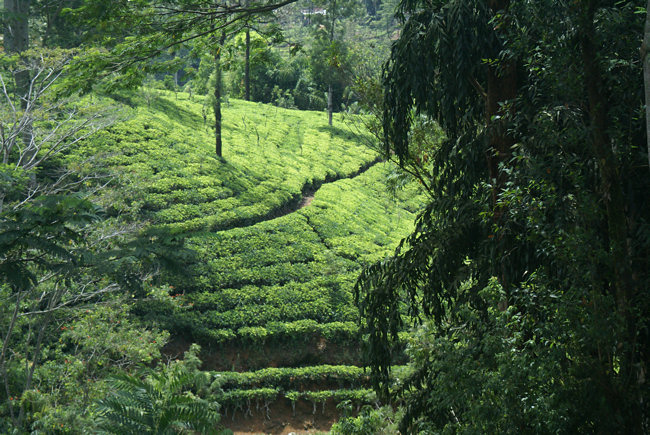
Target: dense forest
[(324, 216)]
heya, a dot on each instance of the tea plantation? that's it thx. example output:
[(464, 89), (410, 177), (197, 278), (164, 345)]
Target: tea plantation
[(279, 231)]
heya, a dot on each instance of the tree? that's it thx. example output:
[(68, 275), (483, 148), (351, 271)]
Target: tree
[(518, 268), (37, 236), (51, 124), (329, 62), (16, 40), (47, 224), (218, 69), (218, 86), (272, 31), (330, 52), (55, 28), (56, 259), (247, 59), (153, 27), (247, 68), (16, 30), (372, 7)]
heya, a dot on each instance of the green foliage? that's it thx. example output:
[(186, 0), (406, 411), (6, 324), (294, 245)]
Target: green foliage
[(158, 403), (239, 391), (240, 397), (237, 399), (173, 176), (284, 278), (60, 30), (458, 30), (274, 74), (157, 187), (59, 258), (106, 336), (370, 420), (45, 234), (87, 345), (330, 64), (293, 378), (499, 372), (530, 289), (359, 396), (133, 35)]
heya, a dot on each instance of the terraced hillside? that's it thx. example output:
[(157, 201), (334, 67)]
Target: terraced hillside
[(280, 230)]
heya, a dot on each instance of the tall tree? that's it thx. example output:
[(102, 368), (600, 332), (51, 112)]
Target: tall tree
[(16, 40), (218, 86), (55, 28), (151, 27), (247, 64), (329, 36), (16, 31), (522, 268), (247, 67)]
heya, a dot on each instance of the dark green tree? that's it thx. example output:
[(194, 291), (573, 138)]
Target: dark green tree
[(524, 267), (56, 28)]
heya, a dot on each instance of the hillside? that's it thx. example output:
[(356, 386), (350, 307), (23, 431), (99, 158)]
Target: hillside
[(174, 259), (279, 231)]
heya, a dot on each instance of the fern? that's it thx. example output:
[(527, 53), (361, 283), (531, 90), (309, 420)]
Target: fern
[(157, 403)]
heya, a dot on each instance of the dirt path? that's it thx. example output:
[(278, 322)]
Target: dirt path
[(304, 418), (308, 192), (306, 201)]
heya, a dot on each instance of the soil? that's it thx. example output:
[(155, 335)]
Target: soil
[(248, 357), (306, 201), (282, 420)]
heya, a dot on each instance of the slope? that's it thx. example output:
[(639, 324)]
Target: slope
[(271, 281)]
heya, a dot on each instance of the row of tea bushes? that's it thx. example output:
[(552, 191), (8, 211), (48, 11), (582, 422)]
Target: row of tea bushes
[(164, 160)]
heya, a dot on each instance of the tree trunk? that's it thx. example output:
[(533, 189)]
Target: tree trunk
[(501, 88), (646, 74), (217, 94), (329, 104), (16, 36), (247, 66), (16, 40), (611, 185), (612, 196)]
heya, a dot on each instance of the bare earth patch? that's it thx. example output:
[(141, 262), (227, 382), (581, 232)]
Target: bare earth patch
[(282, 420), (306, 201)]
